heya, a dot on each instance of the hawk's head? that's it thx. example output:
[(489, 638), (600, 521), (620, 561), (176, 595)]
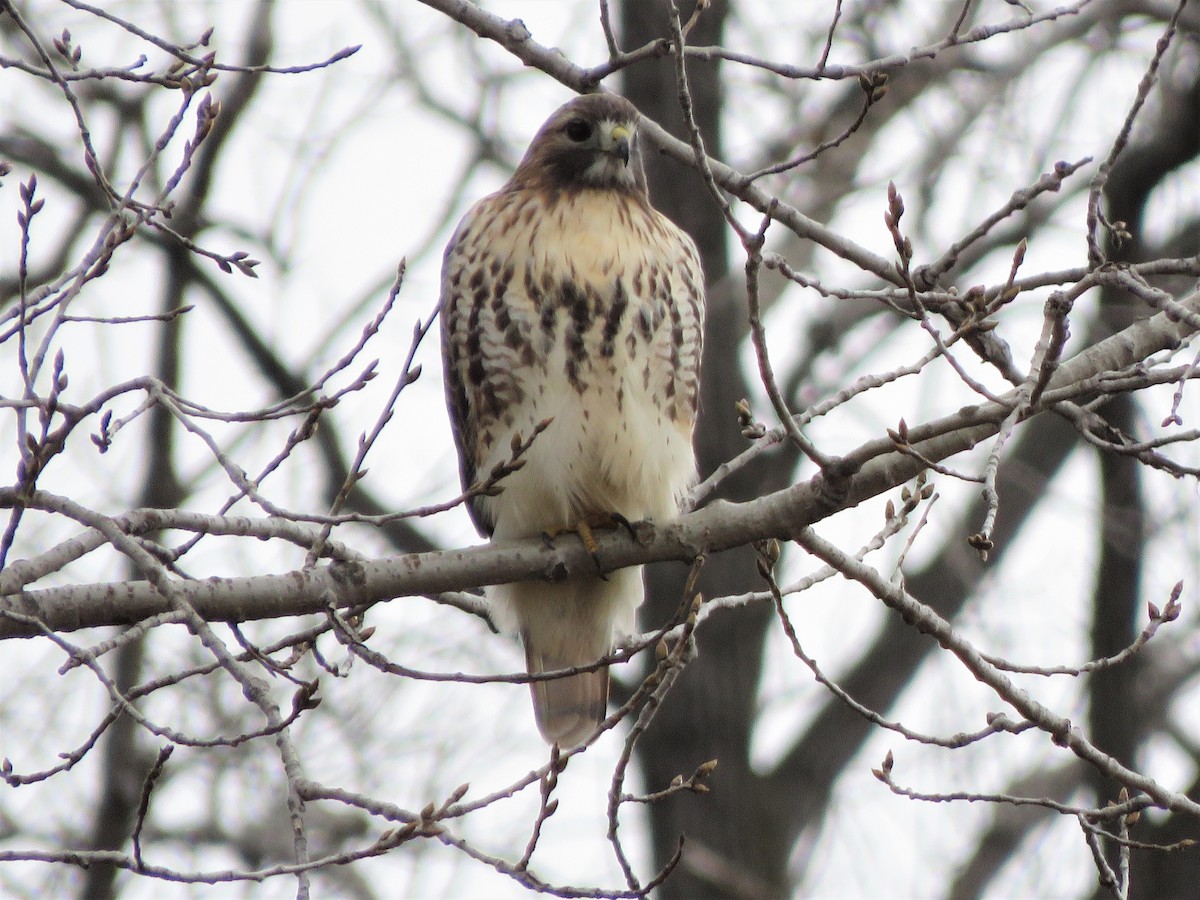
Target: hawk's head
[(589, 142)]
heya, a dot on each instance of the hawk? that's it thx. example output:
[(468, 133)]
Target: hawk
[(565, 296)]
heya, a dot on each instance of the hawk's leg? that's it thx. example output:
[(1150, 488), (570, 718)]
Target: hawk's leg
[(584, 527), (584, 530)]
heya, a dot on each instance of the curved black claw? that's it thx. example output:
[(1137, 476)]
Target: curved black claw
[(630, 527)]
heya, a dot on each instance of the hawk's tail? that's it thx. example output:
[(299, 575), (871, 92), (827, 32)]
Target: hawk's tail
[(567, 709), (565, 625)]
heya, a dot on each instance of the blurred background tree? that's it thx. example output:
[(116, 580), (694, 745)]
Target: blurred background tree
[(292, 157)]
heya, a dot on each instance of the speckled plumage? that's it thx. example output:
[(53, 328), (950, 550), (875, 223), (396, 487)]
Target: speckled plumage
[(566, 296)]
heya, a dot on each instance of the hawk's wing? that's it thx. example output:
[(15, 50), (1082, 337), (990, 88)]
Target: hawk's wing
[(456, 359)]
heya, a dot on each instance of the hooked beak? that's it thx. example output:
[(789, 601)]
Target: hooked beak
[(618, 143)]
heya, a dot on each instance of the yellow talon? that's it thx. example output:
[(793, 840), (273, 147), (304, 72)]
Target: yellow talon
[(584, 530), (584, 527)]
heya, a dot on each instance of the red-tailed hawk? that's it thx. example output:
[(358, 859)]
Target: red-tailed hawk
[(567, 296)]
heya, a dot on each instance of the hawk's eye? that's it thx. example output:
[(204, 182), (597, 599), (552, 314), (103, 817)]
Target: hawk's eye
[(578, 130)]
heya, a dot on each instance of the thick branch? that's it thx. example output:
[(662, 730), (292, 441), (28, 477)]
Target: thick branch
[(722, 525)]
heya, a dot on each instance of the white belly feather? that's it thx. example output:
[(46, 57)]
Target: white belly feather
[(591, 460), (617, 443)]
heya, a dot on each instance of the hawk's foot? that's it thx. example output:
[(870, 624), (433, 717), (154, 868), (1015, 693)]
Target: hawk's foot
[(584, 528)]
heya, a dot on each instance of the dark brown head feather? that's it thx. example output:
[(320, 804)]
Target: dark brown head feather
[(558, 161)]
